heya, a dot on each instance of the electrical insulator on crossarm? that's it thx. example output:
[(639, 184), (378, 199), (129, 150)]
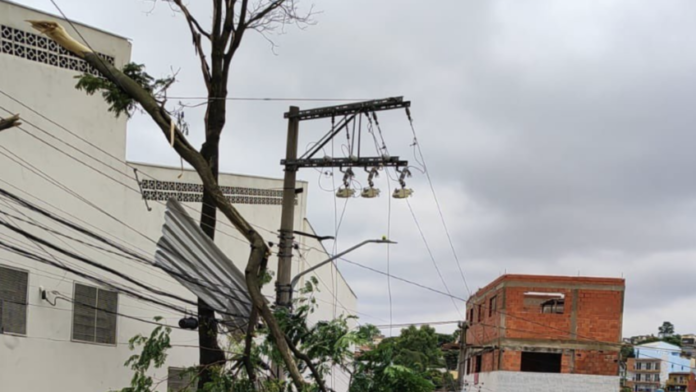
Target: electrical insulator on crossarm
[(403, 192), (371, 192), (346, 191)]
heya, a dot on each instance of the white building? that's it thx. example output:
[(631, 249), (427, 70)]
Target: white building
[(670, 361), (69, 158)]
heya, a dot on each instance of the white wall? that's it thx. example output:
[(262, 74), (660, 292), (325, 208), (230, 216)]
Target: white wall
[(501, 381), (46, 358)]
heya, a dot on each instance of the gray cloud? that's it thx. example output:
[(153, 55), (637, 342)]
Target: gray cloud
[(558, 134)]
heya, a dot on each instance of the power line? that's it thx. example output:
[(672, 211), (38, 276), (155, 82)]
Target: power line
[(56, 183), (126, 252), (432, 258), (404, 280), (281, 99), (437, 203), (418, 323), (389, 290)]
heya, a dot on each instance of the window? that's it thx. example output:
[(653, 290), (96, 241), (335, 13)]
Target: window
[(178, 380), (541, 362), (477, 368), (550, 303), (556, 306), (648, 366), (638, 377), (480, 312), (13, 300), (638, 365), (94, 315), (492, 306), (471, 314)]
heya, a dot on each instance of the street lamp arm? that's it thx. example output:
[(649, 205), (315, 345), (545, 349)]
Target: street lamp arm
[(296, 279)]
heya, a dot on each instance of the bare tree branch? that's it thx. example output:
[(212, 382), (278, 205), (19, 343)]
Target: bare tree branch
[(310, 365), (191, 19), (9, 122), (262, 12), (196, 32)]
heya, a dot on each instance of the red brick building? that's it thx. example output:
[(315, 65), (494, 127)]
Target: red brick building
[(547, 324)]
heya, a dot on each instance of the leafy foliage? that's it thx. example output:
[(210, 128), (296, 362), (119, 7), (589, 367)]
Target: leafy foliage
[(326, 343), (412, 361), (154, 352), (666, 329), (119, 101)]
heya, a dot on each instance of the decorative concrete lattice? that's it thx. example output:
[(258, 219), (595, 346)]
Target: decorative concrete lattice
[(187, 192), (37, 48)]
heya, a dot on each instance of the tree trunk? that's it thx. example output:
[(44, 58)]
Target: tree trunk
[(209, 352)]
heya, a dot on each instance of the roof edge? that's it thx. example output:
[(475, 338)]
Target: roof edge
[(128, 162), (69, 21), (603, 281)]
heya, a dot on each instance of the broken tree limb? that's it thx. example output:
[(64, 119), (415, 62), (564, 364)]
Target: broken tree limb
[(181, 145), (9, 122)]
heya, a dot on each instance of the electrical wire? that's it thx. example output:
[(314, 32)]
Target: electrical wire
[(389, 289), (125, 252), (432, 258), (437, 202), (271, 99)]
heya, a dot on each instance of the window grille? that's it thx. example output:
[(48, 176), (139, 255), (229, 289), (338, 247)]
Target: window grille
[(13, 300), (178, 380), (94, 315)]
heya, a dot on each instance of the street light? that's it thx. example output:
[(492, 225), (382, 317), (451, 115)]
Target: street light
[(296, 279)]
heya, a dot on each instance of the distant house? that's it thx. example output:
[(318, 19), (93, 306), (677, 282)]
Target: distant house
[(653, 364), (688, 342), (644, 374), (681, 382)]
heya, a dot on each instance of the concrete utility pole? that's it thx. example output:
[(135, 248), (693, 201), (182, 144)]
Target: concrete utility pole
[(463, 354), (287, 219), (292, 163)]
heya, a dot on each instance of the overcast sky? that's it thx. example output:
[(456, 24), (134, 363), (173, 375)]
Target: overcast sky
[(559, 136)]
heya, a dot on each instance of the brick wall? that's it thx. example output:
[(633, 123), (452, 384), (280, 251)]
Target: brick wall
[(512, 361), (598, 312), (572, 361), (484, 330), (599, 315), (525, 321), (596, 362)]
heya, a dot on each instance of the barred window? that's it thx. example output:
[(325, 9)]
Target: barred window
[(13, 300), (179, 380), (94, 315)]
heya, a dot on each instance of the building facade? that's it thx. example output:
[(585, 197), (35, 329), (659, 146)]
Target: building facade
[(669, 355), (65, 323), (644, 374), (542, 330), (681, 382), (689, 344)]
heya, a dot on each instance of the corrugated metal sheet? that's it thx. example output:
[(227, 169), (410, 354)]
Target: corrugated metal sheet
[(187, 254)]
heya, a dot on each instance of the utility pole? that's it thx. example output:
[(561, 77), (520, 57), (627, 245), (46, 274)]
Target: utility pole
[(287, 219), (463, 354), (348, 114)]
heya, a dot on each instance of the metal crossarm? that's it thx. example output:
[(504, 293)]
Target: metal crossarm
[(352, 108), (346, 162)]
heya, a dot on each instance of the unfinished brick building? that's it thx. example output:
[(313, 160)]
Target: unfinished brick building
[(544, 324)]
